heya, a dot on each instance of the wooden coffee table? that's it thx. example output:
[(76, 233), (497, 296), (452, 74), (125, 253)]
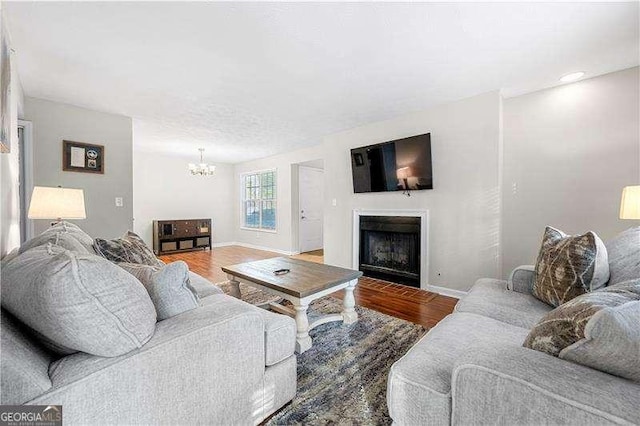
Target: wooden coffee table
[(306, 282)]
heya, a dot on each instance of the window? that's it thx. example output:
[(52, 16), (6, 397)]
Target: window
[(259, 200)]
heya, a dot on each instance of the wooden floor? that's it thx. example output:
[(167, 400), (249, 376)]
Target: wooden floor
[(411, 304)]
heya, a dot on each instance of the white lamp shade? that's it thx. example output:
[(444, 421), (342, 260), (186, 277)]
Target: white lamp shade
[(403, 173), (57, 203), (630, 203)]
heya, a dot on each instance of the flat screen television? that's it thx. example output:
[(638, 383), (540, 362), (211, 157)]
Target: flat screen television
[(400, 165)]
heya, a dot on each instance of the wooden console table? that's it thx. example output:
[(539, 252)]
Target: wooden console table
[(174, 236)]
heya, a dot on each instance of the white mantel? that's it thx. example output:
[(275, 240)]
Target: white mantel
[(424, 240)]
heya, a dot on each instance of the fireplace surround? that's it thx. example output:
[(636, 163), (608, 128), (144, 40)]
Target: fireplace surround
[(392, 245)]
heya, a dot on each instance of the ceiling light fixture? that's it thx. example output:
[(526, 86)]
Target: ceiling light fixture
[(201, 169), (572, 77)]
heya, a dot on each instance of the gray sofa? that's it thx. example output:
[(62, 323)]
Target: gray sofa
[(224, 362), (472, 368)]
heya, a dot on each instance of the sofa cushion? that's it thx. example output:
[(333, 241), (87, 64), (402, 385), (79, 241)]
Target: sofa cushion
[(64, 234), (279, 333), (599, 329), (24, 365), (569, 266), (129, 249), (624, 256), (491, 298), (419, 387), (78, 302), (168, 287), (203, 286)]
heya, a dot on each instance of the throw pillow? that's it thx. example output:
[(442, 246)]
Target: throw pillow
[(598, 329), (569, 266), (64, 234), (624, 256), (128, 249), (77, 302), (168, 287)]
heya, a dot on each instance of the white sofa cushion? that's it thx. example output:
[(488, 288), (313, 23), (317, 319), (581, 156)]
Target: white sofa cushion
[(624, 256), (491, 298), (64, 234), (168, 287), (78, 302)]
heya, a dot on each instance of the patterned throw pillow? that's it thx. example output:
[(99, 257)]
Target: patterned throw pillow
[(569, 266), (128, 249), (598, 329)]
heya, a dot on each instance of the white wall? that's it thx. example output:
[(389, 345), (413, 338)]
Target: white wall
[(286, 237), (164, 189), (464, 206), (9, 172), (569, 150), (54, 122)]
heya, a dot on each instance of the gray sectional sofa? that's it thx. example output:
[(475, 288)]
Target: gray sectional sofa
[(472, 368), (224, 362)]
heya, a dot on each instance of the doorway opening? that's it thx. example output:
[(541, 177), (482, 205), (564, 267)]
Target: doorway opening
[(310, 212)]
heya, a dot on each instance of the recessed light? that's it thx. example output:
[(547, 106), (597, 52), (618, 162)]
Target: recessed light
[(572, 77)]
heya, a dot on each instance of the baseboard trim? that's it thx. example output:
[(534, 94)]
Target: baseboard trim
[(458, 294), (224, 244), (263, 248)]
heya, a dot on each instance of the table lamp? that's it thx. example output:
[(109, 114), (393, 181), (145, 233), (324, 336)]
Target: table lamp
[(57, 203), (630, 203), (403, 174)]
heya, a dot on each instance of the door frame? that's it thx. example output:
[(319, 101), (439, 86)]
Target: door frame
[(27, 179), (300, 166)]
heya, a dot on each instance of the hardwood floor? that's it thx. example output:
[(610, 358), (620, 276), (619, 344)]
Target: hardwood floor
[(411, 304)]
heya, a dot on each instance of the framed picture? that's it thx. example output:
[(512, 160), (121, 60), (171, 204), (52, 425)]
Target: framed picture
[(5, 89), (82, 157)]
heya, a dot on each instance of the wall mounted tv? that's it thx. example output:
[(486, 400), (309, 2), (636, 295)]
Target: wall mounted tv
[(400, 165)]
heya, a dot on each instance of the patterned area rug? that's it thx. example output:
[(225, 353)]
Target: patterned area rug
[(250, 294), (342, 379)]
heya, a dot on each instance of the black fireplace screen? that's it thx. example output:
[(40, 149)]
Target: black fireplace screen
[(390, 250)]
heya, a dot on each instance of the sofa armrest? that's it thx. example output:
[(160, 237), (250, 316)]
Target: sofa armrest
[(522, 278), (516, 385), (200, 367), (202, 286)]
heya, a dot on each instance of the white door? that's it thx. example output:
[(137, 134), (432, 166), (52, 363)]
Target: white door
[(311, 187)]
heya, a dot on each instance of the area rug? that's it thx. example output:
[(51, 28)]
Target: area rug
[(342, 379), (250, 294)]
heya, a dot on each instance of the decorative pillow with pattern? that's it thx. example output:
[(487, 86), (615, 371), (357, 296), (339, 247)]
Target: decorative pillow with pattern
[(128, 249), (598, 329), (569, 266)]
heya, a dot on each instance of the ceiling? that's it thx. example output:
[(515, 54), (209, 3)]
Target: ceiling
[(248, 80)]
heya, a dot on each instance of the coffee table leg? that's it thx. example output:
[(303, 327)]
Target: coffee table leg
[(235, 287), (349, 314), (303, 341)]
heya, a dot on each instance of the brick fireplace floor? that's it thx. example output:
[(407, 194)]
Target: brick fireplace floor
[(411, 304)]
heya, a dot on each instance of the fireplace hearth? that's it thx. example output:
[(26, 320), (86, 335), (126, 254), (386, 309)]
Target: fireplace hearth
[(390, 248)]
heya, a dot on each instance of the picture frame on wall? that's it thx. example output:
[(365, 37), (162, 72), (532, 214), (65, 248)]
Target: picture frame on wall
[(82, 157), (5, 89)]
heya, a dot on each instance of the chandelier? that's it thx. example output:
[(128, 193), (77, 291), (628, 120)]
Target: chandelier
[(201, 169)]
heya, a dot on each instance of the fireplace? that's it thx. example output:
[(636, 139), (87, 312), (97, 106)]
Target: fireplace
[(390, 248)]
